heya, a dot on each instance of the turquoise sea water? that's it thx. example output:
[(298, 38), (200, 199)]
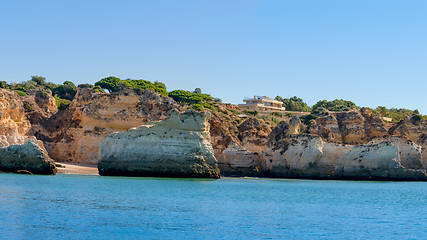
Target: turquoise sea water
[(94, 207)]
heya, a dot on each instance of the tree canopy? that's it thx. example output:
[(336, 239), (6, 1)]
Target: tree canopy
[(114, 84), (3, 84), (335, 105), (294, 104), (65, 91), (38, 79), (190, 98)]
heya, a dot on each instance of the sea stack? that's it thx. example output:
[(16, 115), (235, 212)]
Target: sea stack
[(175, 147)]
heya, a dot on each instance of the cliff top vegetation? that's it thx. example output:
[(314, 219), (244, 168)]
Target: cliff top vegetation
[(64, 94), (114, 84)]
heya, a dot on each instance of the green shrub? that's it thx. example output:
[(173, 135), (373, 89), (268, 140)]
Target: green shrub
[(417, 117), (21, 93), (36, 82), (85, 85), (38, 79), (396, 114), (210, 106), (50, 86), (4, 84), (98, 89), (269, 118), (66, 91), (43, 94), (62, 104), (28, 107), (198, 107), (277, 114), (190, 98), (307, 119), (253, 113)]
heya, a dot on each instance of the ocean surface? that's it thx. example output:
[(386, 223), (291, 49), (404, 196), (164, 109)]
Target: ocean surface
[(94, 207)]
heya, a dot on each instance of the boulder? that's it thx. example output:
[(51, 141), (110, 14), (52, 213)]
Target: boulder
[(26, 158), (176, 147)]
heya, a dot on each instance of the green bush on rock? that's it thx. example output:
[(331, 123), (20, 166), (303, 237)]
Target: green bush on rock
[(66, 91), (62, 104)]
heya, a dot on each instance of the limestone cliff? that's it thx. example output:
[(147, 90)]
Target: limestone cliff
[(243, 145), (414, 129), (308, 156), (14, 124), (39, 105), (239, 154), (74, 135), (176, 147), (287, 153)]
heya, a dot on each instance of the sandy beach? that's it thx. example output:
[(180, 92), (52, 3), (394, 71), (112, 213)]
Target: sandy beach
[(76, 168)]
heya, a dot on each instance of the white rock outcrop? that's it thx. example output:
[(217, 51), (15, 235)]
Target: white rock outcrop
[(176, 147), (309, 156), (389, 158)]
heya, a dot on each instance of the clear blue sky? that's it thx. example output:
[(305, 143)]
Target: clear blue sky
[(371, 52)]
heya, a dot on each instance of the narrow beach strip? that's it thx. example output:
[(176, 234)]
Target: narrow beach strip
[(76, 168)]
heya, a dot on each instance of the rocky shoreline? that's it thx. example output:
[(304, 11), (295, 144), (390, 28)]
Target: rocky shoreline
[(99, 128)]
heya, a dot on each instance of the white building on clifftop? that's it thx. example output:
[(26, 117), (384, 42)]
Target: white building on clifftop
[(262, 104)]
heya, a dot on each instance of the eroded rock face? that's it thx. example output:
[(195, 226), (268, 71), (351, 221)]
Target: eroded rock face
[(28, 157), (350, 127), (14, 125), (176, 147), (74, 135), (39, 105), (242, 156), (414, 129)]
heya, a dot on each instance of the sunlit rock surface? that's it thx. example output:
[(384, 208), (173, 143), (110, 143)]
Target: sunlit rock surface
[(176, 147)]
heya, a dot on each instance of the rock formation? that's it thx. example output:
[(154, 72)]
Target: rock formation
[(28, 157), (350, 127), (286, 153), (308, 156), (74, 135), (14, 125), (354, 144), (176, 147), (39, 105), (414, 129)]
